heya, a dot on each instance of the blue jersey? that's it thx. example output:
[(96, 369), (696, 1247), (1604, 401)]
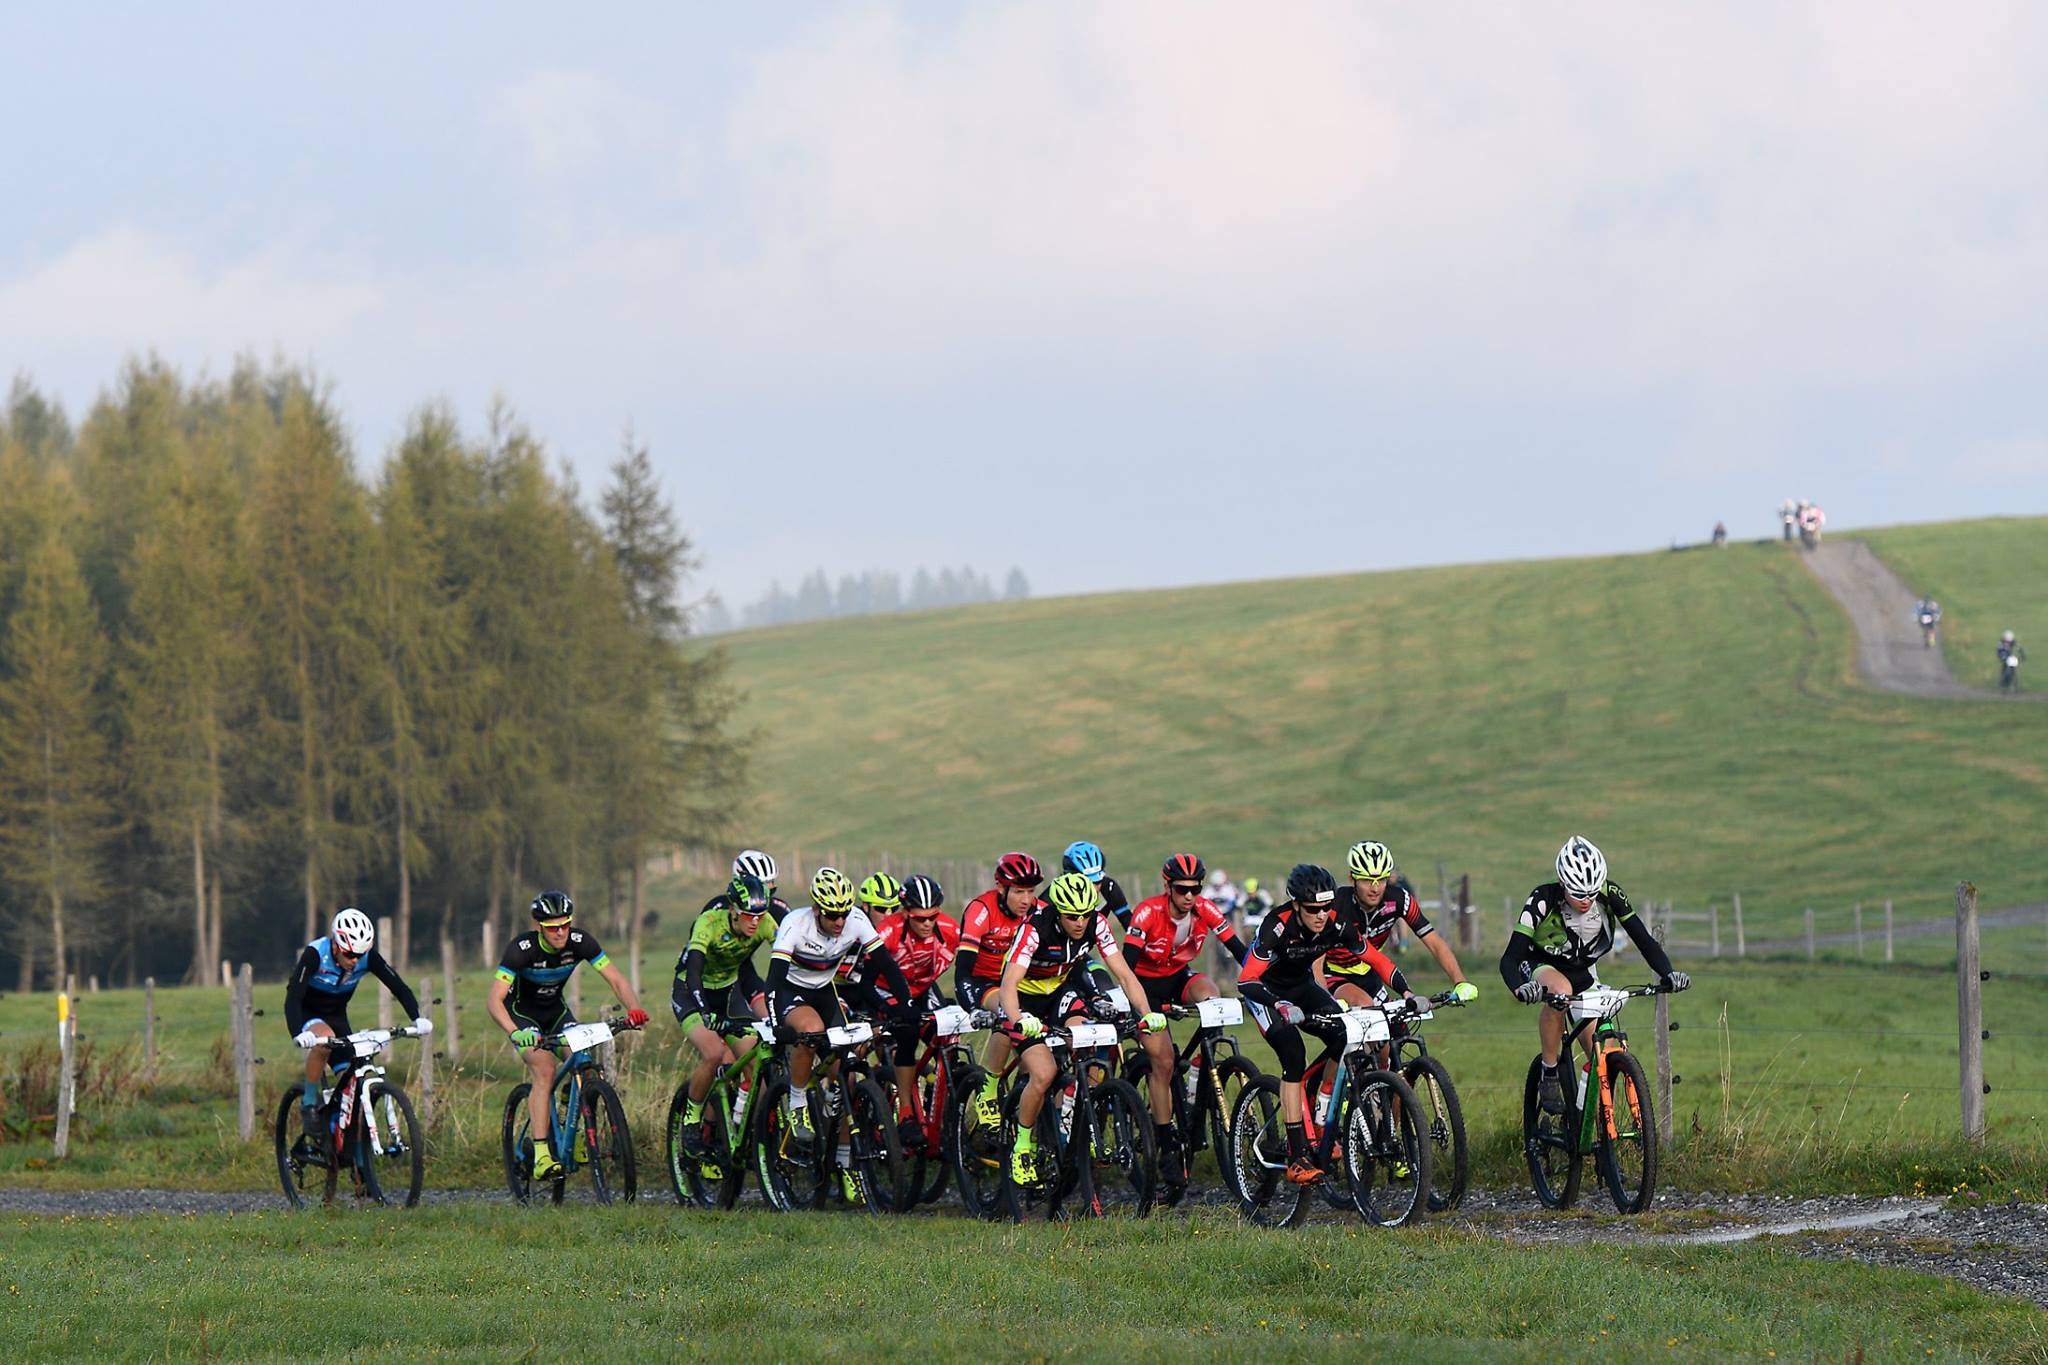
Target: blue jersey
[(319, 987)]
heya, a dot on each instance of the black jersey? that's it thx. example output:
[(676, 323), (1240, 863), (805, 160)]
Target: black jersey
[(320, 988), (537, 973), (1051, 953), (1553, 933), (1284, 951)]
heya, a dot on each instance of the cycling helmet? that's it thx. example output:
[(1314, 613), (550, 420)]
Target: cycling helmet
[(746, 895), (1071, 893), (1581, 869), (1311, 886), (831, 891), (353, 932), (1084, 858), (2006, 638), (881, 892), (1182, 867), (1018, 869), (553, 907), (1370, 861), (923, 893), (755, 863)]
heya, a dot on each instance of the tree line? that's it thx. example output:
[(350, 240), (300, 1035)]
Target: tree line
[(865, 594), (241, 686)]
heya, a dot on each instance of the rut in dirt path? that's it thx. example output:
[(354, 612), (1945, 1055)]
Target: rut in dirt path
[(1889, 651)]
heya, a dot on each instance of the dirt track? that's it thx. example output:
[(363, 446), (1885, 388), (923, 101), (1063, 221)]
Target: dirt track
[(1889, 651)]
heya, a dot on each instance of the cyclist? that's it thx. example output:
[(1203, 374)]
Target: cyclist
[(2010, 657), (1278, 981), (1378, 902), (316, 997), (1090, 861), (810, 945), (526, 1001), (923, 940), (716, 981), (1567, 926), (986, 932), (1040, 988), (753, 862)]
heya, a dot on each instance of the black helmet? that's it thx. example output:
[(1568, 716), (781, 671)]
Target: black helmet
[(746, 894), (553, 905), (923, 893), (1311, 886)]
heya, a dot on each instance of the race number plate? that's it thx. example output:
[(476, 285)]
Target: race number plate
[(578, 1037), (846, 1035), (1092, 1035), (1220, 1012), (951, 1022), (1598, 1002), (1363, 1027)]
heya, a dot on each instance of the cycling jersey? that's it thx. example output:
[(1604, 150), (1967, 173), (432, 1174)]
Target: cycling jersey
[(988, 930), (319, 988), (923, 960), (1115, 901), (812, 954), (1552, 933), (537, 973), (716, 937), (1051, 953), (1397, 906), (1160, 943), (1284, 952)]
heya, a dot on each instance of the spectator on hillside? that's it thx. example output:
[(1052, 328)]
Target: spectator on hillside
[(1720, 534), (1789, 516), (1224, 891), (1811, 519)]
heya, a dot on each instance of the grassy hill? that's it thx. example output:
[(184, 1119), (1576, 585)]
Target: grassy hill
[(1695, 713), (1988, 577)]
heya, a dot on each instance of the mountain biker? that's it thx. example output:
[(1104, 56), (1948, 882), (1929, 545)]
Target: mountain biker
[(526, 1001), (1927, 613), (810, 945), (753, 862), (923, 940), (1090, 861), (1566, 927), (716, 980), (2010, 657), (317, 993), (1040, 989), (1379, 902), (1278, 981), (987, 930)]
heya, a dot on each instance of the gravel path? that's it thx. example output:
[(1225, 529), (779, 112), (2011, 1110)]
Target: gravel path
[(1889, 652)]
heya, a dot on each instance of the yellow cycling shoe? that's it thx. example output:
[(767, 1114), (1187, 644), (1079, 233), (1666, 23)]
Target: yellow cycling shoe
[(545, 1167)]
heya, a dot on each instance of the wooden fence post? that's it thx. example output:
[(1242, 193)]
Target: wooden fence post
[(425, 1072), (1714, 927), (1887, 931), (1468, 917), (489, 943), (67, 1059), (575, 993), (1741, 945), (1809, 933), (148, 1030), (245, 1056), (227, 974), (1969, 1012), (452, 1028), (1507, 905), (1663, 1067), (384, 996), (1859, 930)]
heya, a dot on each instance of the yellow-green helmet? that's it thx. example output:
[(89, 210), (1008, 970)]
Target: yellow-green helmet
[(1071, 893), (1370, 861), (881, 892), (830, 890)]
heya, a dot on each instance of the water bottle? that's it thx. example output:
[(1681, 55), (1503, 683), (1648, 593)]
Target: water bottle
[(739, 1103), (1067, 1113), (1194, 1080)]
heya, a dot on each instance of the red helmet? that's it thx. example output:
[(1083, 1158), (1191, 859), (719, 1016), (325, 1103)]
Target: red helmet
[(1018, 869), (1183, 867)]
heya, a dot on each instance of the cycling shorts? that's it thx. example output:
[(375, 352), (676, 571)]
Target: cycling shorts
[(1582, 975), (1161, 991), (824, 999), (727, 1002), (1285, 1038), (338, 1021), (1053, 1009)]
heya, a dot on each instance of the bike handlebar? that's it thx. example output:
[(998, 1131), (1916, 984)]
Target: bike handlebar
[(368, 1035), (616, 1022), (1564, 1002)]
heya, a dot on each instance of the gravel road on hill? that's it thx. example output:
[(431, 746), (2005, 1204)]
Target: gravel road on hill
[(1889, 652)]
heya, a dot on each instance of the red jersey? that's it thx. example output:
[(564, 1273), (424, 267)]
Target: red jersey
[(989, 930), (1160, 945), (923, 960)]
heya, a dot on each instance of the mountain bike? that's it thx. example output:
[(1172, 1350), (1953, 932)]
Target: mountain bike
[(366, 1126), (1209, 1076), (1094, 1135), (854, 1130), (587, 1122), (931, 1128), (1619, 1129), (1444, 1117), (1368, 1129), (713, 1178)]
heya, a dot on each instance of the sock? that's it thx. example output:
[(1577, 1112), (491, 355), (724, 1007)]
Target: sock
[(1550, 1069), (693, 1111), (1164, 1136), (1297, 1142), (1027, 1139), (988, 1086), (799, 1098)]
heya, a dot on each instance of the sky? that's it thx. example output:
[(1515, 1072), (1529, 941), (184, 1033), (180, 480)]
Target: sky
[(1125, 294)]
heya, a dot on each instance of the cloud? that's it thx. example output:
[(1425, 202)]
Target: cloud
[(562, 121)]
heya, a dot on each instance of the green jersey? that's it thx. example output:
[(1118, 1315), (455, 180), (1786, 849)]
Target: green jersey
[(725, 952)]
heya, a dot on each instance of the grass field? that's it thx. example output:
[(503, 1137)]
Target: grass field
[(1695, 713), (1987, 575), (654, 1283)]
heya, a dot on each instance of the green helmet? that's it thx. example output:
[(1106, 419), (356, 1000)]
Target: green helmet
[(1071, 893), (831, 891), (1370, 861), (881, 892)]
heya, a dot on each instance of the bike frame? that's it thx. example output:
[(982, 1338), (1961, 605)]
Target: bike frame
[(741, 1074)]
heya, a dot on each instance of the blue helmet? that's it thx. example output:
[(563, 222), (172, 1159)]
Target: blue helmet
[(1084, 858)]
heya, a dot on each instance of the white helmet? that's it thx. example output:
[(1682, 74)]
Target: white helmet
[(1581, 869), (2007, 637), (753, 862), (354, 932)]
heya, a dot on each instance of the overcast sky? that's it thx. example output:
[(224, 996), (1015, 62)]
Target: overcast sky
[(1123, 293)]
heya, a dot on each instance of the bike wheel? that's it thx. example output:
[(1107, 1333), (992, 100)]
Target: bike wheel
[(294, 1172), (1138, 1075), (518, 1143), (1258, 1152), (1627, 1145), (791, 1180), (1217, 1100), (979, 1151), (1444, 1127), (1120, 1159), (710, 1181), (1386, 1150), (608, 1142), (1550, 1142), (402, 1165), (936, 1127), (874, 1147)]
